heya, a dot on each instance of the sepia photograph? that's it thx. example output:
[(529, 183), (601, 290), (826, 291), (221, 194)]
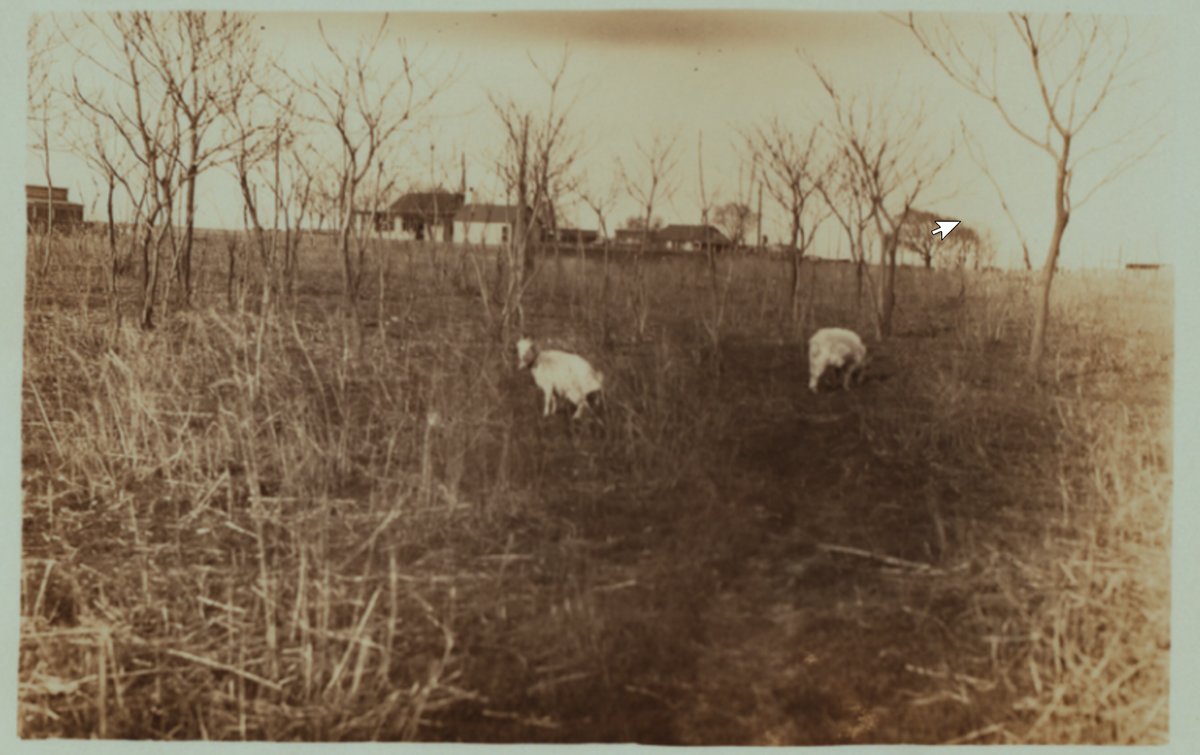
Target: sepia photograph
[(661, 376)]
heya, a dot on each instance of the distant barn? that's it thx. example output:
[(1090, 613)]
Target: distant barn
[(49, 207), (1143, 266)]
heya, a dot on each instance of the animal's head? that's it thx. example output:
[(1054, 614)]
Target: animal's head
[(526, 353)]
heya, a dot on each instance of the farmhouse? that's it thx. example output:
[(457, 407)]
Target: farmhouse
[(416, 216), (40, 201), (487, 224), (692, 238), (424, 216)]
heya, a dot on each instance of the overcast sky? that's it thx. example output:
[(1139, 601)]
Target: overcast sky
[(632, 75)]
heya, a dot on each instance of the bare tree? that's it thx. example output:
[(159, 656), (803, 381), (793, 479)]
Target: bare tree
[(365, 113), (128, 98), (735, 219), (965, 248), (849, 204), (976, 153), (640, 223), (1078, 63), (651, 183), (204, 61), (885, 168), (539, 152), (916, 235), (719, 289), (95, 140), (41, 42), (793, 176), (601, 202), (259, 135)]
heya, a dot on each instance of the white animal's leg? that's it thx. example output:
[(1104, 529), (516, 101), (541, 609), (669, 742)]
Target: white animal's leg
[(815, 368), (547, 402), (579, 407)]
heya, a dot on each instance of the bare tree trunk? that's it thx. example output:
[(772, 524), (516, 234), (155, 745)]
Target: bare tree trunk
[(46, 237), (113, 253), (185, 260), (889, 293), (758, 241), (1061, 216), (348, 276), (858, 283), (881, 304), (230, 279), (150, 255), (794, 296)]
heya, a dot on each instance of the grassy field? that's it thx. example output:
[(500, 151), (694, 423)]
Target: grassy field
[(308, 526)]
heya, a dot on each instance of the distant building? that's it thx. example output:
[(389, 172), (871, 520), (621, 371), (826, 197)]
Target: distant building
[(423, 216), (45, 206), (1143, 266), (692, 238), (633, 236), (487, 224), (676, 238), (577, 236)]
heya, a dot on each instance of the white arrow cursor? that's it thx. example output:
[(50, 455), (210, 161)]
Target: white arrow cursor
[(944, 227)]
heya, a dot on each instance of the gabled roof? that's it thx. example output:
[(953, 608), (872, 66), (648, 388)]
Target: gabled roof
[(486, 213), (428, 203), (696, 233)]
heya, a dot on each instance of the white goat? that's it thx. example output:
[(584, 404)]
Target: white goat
[(837, 348), (559, 373)]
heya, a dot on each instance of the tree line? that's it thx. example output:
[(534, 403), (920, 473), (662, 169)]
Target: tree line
[(153, 101)]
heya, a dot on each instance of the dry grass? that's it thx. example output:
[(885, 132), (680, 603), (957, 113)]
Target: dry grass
[(307, 526)]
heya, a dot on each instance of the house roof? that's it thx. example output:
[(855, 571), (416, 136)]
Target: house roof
[(428, 203), (41, 193), (685, 233), (486, 213)]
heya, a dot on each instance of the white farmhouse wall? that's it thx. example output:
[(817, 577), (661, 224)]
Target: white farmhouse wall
[(488, 234)]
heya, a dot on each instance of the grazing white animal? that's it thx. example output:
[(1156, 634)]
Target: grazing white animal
[(559, 373), (837, 348)]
